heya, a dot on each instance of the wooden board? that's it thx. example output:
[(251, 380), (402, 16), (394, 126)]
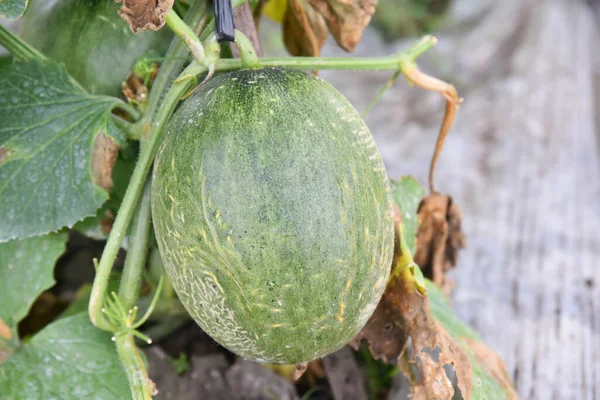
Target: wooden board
[(523, 164)]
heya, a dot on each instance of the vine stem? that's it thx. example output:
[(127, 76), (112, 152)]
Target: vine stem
[(135, 114), (186, 33), (133, 193), (136, 255), (394, 62), (248, 56), (140, 385), (151, 125), (175, 59), (17, 47)]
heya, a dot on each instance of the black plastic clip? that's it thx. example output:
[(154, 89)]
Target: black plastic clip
[(224, 25)]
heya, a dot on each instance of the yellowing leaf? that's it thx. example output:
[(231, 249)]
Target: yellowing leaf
[(346, 19), (304, 30), (275, 10), (307, 23)]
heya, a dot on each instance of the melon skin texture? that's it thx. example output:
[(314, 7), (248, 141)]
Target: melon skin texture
[(95, 44), (273, 216)]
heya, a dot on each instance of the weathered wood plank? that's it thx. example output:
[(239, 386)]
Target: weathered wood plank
[(523, 164)]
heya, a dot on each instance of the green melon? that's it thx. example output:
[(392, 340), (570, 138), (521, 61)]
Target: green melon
[(91, 39), (272, 213)]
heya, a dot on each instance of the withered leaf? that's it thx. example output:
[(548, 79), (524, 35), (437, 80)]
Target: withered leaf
[(493, 365), (417, 330), (346, 19), (304, 29), (439, 238), (104, 156), (406, 311), (307, 23), (145, 15)]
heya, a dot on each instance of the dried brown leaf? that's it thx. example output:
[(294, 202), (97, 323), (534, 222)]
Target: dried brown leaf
[(404, 313), (304, 29), (104, 156), (439, 238), (427, 338), (346, 19), (145, 15), (136, 87), (493, 365)]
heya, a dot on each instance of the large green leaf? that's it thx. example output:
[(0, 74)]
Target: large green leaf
[(12, 9), (407, 193), (47, 136), (484, 386), (26, 270), (69, 359)]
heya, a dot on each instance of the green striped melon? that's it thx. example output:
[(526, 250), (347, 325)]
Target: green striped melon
[(272, 213)]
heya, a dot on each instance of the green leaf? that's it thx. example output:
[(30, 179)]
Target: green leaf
[(26, 270), (407, 193), (12, 9), (484, 385), (69, 359), (47, 137)]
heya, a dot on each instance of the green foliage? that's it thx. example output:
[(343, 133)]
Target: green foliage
[(70, 360), (12, 9), (181, 363), (47, 136), (379, 374), (407, 193), (95, 44), (26, 270)]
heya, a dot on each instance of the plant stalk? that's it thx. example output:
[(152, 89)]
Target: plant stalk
[(17, 47), (175, 59), (131, 281), (186, 33), (132, 195), (393, 62), (140, 385), (135, 114)]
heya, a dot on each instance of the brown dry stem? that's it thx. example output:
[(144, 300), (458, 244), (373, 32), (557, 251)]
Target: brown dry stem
[(449, 92)]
